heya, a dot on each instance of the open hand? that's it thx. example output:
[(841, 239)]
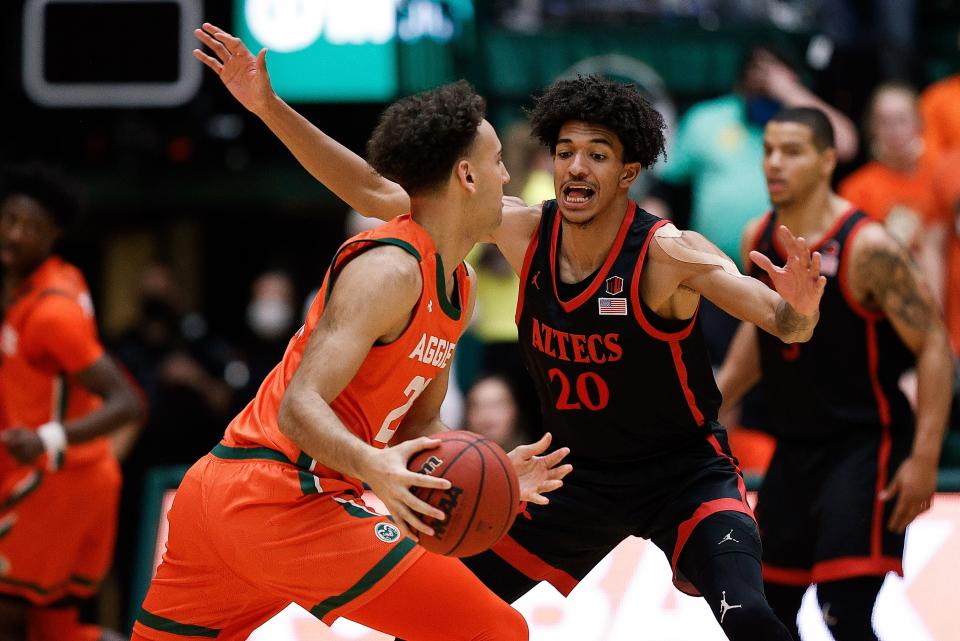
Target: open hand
[(539, 474), (799, 281), (244, 75), (387, 475)]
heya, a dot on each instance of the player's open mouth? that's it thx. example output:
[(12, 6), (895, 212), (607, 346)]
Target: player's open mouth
[(577, 194)]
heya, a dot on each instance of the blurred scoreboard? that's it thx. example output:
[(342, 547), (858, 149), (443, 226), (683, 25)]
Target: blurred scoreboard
[(630, 596), (337, 51), (137, 53)]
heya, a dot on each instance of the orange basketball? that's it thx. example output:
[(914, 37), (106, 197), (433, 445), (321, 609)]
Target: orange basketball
[(482, 502)]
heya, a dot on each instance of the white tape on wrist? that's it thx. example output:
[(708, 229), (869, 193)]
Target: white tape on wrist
[(54, 439)]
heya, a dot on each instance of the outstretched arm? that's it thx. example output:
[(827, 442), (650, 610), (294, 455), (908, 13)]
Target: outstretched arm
[(882, 269), (343, 172), (790, 312)]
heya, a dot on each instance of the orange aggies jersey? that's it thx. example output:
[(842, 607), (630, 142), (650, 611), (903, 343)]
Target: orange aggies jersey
[(390, 378), (49, 334)]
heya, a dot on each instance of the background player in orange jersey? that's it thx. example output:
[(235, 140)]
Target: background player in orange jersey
[(272, 515), (608, 324), (853, 466), (61, 397)]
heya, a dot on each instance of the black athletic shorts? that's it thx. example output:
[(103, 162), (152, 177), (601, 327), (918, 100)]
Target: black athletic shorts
[(819, 515), (664, 500)]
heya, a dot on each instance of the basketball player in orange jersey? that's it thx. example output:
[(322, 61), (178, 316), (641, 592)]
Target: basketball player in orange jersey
[(607, 320), (62, 396), (853, 466), (273, 514)]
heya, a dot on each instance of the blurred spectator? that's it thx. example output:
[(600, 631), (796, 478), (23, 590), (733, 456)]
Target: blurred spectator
[(886, 29), (181, 368), (896, 187), (271, 319), (492, 411), (531, 167), (940, 109), (718, 150)]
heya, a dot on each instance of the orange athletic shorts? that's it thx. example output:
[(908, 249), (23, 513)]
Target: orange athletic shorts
[(57, 530), (245, 541)]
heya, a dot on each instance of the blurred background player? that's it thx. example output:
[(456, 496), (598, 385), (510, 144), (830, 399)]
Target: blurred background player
[(62, 398), (853, 467)]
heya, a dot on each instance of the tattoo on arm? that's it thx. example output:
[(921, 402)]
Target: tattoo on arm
[(790, 323), (895, 287)]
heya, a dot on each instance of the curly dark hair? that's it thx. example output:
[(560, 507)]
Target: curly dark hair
[(597, 100), (57, 195), (419, 138)]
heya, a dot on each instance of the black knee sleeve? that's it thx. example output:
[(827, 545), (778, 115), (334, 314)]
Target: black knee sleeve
[(847, 607)]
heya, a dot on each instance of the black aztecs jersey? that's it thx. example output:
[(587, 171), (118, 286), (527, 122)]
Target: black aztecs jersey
[(846, 376), (616, 382)]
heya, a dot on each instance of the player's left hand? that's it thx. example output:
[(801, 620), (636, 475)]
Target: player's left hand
[(913, 485), (799, 281), (25, 445), (539, 474)]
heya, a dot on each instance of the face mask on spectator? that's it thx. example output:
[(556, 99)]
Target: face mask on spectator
[(761, 109), (269, 318)]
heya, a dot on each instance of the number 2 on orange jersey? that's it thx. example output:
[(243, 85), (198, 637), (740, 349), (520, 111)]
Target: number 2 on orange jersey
[(413, 390)]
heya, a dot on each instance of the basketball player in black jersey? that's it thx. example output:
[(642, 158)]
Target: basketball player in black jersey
[(609, 333), (852, 466)]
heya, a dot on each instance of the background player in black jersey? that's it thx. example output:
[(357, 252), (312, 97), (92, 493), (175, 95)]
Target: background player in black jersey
[(619, 361), (850, 471)]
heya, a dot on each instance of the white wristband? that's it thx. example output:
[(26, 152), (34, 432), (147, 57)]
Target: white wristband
[(54, 439)]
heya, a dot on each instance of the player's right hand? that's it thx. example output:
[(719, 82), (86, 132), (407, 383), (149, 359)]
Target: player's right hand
[(244, 75), (387, 475)]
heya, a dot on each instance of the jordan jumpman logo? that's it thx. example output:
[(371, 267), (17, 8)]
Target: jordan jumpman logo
[(728, 537), (724, 606)]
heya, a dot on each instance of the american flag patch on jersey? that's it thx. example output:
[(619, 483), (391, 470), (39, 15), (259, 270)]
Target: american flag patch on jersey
[(612, 306)]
